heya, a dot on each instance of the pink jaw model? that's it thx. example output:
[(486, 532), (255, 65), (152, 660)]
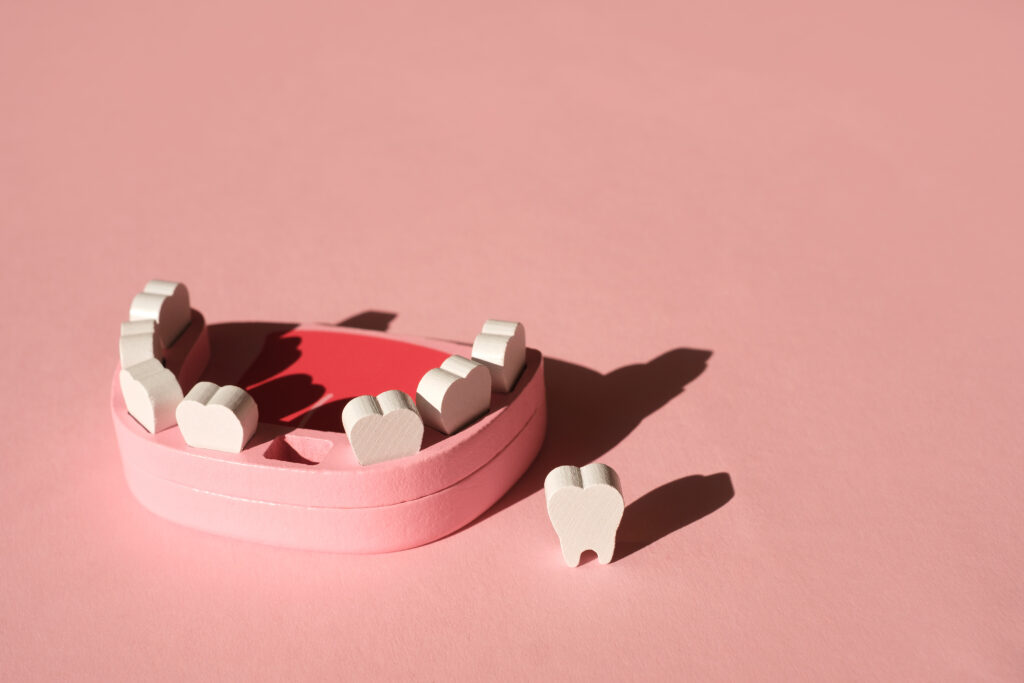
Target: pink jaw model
[(297, 482)]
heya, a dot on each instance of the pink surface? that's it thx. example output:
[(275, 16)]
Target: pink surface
[(825, 197)]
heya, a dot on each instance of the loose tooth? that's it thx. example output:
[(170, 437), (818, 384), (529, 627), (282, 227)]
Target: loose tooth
[(585, 506)]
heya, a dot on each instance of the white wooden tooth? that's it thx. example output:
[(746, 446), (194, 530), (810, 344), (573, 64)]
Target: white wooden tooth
[(501, 347), (138, 327), (151, 394), (585, 506), (217, 418), (505, 328), (452, 396), (165, 302), (139, 341), (384, 427)]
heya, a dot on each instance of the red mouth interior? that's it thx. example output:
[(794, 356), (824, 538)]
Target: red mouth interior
[(304, 377)]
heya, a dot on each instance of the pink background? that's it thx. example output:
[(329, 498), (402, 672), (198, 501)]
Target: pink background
[(825, 196)]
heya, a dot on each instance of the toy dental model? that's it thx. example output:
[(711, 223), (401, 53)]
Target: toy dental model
[(308, 436)]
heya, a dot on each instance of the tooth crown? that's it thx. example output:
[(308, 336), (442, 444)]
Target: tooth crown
[(151, 394), (452, 396), (585, 506), (381, 428), (217, 418), (165, 302), (501, 347)]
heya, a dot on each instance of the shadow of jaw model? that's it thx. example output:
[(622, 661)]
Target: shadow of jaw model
[(590, 413)]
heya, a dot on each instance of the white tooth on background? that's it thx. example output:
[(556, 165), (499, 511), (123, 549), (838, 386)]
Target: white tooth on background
[(165, 302), (139, 341), (218, 418), (384, 427), (452, 396), (151, 393), (585, 506), (501, 347)]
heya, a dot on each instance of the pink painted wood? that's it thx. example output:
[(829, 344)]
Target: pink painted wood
[(323, 499)]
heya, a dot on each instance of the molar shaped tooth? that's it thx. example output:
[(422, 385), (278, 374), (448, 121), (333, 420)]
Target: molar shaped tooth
[(139, 341), (501, 347), (165, 302), (217, 418), (151, 393), (384, 427), (452, 396), (585, 506)]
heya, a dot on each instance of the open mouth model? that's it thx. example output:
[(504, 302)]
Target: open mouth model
[(403, 474)]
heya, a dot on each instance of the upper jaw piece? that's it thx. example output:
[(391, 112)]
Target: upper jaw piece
[(501, 347), (165, 302), (217, 418), (585, 506), (382, 427), (453, 395)]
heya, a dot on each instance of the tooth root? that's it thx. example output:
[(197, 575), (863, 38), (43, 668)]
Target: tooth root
[(585, 506), (450, 397), (165, 302), (571, 555), (385, 427), (217, 418), (151, 394), (501, 347)]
